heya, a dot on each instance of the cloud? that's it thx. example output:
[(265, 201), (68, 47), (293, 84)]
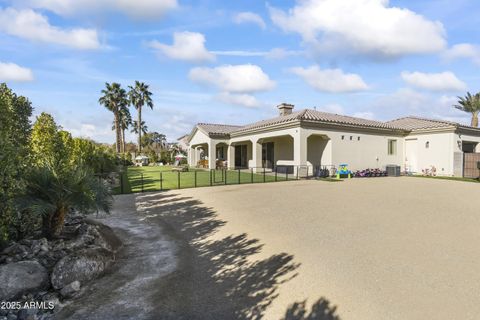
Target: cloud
[(330, 80), (187, 46), (244, 100), (13, 72), (444, 81), (463, 51), (364, 115), (136, 9), (274, 54), (362, 27), (249, 17), (246, 78), (30, 25)]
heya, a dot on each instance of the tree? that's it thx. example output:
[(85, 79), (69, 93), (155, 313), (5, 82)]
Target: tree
[(139, 97), (52, 195), (143, 129), (125, 119), (113, 98), (154, 140), (471, 104), (15, 129)]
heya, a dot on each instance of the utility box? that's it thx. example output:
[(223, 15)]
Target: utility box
[(393, 170)]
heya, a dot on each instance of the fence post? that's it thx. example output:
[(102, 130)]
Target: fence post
[(210, 177), (238, 176), (251, 174), (142, 182), (276, 174), (286, 174), (121, 183), (161, 181), (225, 175), (298, 167), (264, 174), (178, 172), (195, 173)]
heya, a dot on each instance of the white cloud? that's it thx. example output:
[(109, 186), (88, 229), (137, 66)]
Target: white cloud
[(13, 72), (30, 25), (187, 46), (274, 54), (330, 80), (246, 78), (244, 100), (136, 9), (365, 27), (249, 17), (444, 81), (463, 51)]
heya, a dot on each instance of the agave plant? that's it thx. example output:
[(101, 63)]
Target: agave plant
[(53, 195)]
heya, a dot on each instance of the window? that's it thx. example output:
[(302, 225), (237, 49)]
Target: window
[(351, 138), (392, 147), (358, 138), (427, 144), (343, 137)]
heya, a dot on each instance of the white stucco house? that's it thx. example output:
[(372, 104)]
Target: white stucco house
[(310, 138)]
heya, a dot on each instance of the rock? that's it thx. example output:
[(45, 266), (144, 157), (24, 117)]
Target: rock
[(105, 237), (70, 289), (82, 266), (21, 277), (27, 314)]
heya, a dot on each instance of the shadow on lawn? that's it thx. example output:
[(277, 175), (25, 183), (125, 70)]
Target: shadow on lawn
[(218, 279)]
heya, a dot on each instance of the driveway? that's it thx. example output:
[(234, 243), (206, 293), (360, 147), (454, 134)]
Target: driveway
[(379, 248)]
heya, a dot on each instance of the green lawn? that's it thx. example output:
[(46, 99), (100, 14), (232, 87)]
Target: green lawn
[(163, 178)]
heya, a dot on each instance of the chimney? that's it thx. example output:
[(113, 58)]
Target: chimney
[(285, 109)]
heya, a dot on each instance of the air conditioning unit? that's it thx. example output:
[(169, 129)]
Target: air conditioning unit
[(393, 170)]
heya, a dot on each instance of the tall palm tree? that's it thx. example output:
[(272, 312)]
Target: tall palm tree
[(471, 104), (125, 122), (113, 98), (52, 194), (139, 97)]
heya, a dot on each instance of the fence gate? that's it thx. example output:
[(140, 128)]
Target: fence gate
[(470, 169)]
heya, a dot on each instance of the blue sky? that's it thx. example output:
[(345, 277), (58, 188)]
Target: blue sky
[(234, 61)]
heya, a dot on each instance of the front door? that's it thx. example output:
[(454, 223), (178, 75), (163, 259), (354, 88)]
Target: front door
[(267, 155), (411, 146)]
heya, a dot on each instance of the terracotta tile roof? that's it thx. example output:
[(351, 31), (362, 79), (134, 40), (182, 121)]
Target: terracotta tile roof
[(415, 123), (317, 116), (217, 129)]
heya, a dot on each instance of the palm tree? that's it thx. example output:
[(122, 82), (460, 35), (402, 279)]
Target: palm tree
[(114, 97), (471, 104), (143, 128), (125, 122), (53, 194), (139, 97)]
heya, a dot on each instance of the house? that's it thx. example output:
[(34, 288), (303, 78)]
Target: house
[(311, 138)]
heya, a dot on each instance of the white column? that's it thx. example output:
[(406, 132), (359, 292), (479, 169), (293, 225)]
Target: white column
[(299, 149), (212, 155), (190, 153), (256, 163), (231, 156)]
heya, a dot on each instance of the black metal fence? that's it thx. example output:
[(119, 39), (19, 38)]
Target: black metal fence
[(148, 179)]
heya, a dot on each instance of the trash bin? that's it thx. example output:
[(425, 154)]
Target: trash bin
[(393, 170)]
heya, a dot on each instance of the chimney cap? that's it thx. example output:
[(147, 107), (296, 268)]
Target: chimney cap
[(285, 106)]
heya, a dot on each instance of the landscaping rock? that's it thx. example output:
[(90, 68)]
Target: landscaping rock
[(82, 266), (70, 289), (21, 277)]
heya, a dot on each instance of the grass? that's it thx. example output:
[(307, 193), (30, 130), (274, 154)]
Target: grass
[(163, 178), (448, 178)]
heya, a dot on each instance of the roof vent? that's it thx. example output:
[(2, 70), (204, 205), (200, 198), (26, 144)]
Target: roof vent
[(285, 109)]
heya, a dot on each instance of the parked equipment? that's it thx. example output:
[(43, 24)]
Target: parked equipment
[(343, 171)]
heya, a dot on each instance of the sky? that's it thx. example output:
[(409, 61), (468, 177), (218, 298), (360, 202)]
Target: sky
[(233, 62)]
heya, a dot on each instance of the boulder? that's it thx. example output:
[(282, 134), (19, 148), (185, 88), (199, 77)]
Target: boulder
[(82, 266), (70, 289), (22, 277)]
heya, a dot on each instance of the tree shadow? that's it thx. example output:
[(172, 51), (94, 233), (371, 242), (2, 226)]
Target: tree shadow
[(220, 278), (320, 310)]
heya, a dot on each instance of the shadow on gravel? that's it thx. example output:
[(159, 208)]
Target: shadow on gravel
[(218, 279)]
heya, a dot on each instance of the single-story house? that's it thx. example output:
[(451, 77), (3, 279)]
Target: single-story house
[(311, 138)]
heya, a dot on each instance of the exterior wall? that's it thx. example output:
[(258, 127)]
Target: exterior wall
[(371, 151), (438, 154)]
